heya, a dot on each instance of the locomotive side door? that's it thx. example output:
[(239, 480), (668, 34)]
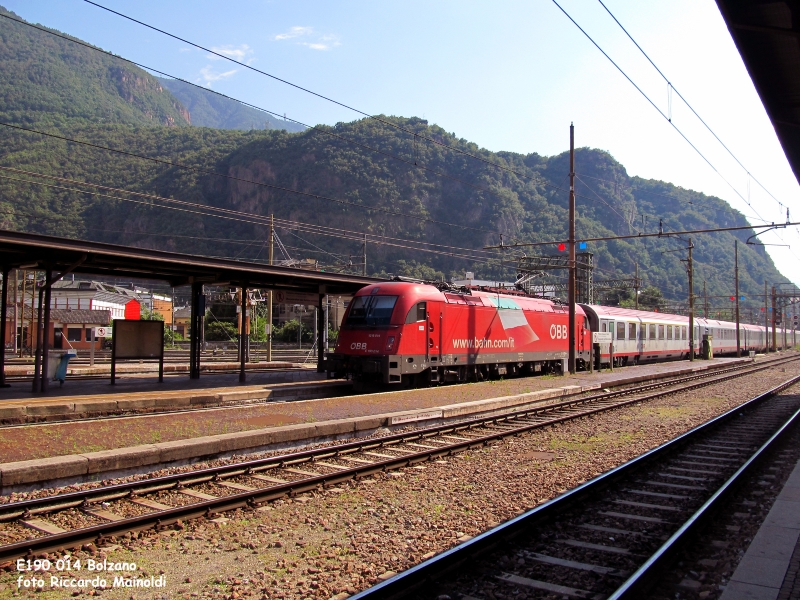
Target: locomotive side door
[(415, 335), (435, 330)]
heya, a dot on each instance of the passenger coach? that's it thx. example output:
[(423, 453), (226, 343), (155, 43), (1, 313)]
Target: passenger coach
[(412, 333)]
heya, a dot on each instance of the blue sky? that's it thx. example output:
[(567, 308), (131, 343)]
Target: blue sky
[(507, 75)]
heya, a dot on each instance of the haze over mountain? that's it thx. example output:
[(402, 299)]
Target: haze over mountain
[(211, 110), (437, 195)]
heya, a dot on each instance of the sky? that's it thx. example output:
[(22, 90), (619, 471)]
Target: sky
[(509, 75)]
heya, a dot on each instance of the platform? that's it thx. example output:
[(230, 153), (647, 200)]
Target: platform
[(86, 450), (769, 568)]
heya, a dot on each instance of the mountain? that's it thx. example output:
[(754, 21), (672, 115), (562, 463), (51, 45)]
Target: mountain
[(349, 176), (211, 110), (47, 79)]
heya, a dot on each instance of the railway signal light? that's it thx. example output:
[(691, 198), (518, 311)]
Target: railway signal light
[(733, 298), (582, 246), (562, 246)]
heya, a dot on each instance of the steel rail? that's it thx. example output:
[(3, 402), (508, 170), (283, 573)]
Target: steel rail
[(643, 576), (405, 583), (261, 464), (97, 533)]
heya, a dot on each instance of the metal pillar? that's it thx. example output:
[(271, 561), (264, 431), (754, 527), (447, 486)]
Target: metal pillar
[(16, 311), (572, 258), (766, 320), (690, 268), (774, 332), (736, 277), (364, 257), (37, 361), (321, 334), (196, 325), (243, 338), (48, 285), (3, 325), (269, 294)]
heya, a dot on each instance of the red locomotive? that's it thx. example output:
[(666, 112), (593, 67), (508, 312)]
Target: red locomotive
[(414, 334)]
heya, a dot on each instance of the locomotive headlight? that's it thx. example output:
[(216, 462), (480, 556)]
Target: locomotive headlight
[(389, 343)]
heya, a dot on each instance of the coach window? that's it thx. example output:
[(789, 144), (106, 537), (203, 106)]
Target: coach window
[(669, 332), (631, 331), (418, 312), (661, 332), (620, 330), (652, 327)]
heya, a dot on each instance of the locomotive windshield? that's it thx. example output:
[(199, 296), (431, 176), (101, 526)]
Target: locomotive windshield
[(371, 310)]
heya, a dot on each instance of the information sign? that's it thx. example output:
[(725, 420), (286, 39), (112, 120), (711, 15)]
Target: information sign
[(287, 297), (601, 337)]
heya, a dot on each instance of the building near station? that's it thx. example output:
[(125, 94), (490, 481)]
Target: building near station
[(77, 307)]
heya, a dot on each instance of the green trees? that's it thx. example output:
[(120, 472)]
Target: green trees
[(447, 202)]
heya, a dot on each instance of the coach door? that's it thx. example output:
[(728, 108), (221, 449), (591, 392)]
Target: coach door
[(435, 327)]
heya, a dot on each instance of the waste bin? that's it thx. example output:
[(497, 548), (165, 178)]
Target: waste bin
[(58, 363), (53, 360)]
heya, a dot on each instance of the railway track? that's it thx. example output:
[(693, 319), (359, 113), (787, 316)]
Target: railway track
[(49, 524), (610, 537)]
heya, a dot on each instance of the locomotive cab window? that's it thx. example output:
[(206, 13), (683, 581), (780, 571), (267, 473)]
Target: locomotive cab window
[(418, 312), (371, 311), (632, 331), (620, 331)]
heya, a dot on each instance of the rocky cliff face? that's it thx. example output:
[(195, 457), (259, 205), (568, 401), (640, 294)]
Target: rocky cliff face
[(137, 89)]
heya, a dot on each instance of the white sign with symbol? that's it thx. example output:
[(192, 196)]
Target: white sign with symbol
[(601, 337), (102, 332)]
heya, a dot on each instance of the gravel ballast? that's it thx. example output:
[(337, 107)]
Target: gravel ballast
[(343, 539)]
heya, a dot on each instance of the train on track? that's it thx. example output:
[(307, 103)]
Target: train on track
[(411, 334)]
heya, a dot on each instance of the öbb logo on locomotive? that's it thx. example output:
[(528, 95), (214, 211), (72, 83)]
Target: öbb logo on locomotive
[(558, 332)]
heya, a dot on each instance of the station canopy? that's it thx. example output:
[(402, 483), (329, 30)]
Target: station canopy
[(41, 252), (767, 35)]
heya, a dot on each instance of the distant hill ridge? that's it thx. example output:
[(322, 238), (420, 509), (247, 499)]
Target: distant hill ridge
[(211, 110), (82, 94), (46, 79)]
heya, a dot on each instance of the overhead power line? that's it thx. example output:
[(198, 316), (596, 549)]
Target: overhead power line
[(654, 105), (318, 95), (250, 218), (689, 106), (317, 128), (241, 179)]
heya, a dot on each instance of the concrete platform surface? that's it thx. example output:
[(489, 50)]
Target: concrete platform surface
[(769, 568), (82, 450)]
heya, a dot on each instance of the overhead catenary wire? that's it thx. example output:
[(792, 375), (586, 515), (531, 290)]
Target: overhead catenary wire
[(317, 94), (242, 179), (376, 240), (320, 129), (252, 218), (653, 104), (672, 88)]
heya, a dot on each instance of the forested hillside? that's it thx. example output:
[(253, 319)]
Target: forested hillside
[(351, 178)]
